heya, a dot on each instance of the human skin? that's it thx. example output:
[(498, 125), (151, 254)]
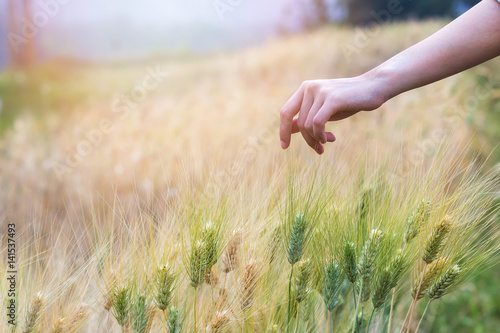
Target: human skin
[(469, 40)]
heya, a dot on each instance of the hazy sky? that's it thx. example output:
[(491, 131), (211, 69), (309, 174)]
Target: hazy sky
[(109, 28)]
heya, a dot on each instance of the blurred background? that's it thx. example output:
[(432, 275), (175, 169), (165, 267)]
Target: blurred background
[(99, 98), (105, 30)]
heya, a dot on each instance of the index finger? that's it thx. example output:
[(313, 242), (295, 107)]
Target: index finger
[(291, 108)]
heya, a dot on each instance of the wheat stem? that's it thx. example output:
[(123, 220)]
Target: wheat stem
[(354, 294), (370, 321), (330, 326), (356, 308), (298, 318), (194, 307), (423, 314), (392, 308), (289, 297)]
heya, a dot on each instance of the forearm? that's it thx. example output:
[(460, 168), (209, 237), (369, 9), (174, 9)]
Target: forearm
[(471, 39)]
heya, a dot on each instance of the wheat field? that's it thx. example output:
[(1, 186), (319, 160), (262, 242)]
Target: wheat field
[(153, 195)]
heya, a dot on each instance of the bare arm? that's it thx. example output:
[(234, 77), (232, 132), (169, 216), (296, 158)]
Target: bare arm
[(471, 39)]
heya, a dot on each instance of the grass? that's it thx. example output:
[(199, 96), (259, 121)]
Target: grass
[(254, 239)]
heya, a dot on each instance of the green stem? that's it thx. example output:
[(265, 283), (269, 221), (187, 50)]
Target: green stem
[(370, 321), (330, 321), (380, 318), (423, 314), (194, 307), (362, 317), (413, 304), (357, 305), (297, 322), (392, 307), (212, 293), (354, 294), (289, 299)]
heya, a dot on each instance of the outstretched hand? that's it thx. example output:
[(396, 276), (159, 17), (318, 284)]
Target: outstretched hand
[(319, 101)]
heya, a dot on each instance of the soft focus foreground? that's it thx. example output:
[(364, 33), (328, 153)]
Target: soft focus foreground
[(111, 172)]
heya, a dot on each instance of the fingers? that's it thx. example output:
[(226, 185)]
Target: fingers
[(318, 136), (307, 104), (291, 108), (330, 137), (319, 121)]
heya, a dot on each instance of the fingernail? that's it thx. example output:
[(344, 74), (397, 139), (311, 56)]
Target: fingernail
[(283, 144)]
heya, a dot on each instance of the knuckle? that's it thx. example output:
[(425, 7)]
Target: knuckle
[(308, 126), (314, 85), (285, 113), (323, 92), (317, 122)]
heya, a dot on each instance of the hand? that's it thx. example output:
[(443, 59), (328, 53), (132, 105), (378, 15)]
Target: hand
[(319, 101)]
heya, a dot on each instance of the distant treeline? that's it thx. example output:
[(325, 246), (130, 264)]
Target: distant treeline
[(363, 11)]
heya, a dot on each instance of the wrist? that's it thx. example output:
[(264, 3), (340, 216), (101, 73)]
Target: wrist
[(385, 83)]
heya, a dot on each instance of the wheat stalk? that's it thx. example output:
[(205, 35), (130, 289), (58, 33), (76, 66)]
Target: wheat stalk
[(382, 288), (121, 305), (416, 220), (442, 285), (297, 239), (229, 258), (79, 315), (365, 266), (332, 284), (219, 323), (33, 315), (59, 326), (302, 280), (426, 277), (435, 241), (142, 314), (174, 321), (249, 284), (164, 286), (196, 264)]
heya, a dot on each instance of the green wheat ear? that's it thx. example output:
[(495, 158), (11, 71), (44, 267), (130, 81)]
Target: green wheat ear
[(174, 321), (211, 241), (121, 304), (302, 280), (397, 267), (419, 217), (435, 241), (382, 288), (333, 281), (365, 267), (164, 287), (430, 272), (297, 239), (442, 285), (142, 314), (195, 269), (349, 262)]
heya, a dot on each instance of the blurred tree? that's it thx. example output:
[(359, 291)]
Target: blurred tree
[(22, 50), (364, 11), (30, 51), (12, 28), (313, 13)]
